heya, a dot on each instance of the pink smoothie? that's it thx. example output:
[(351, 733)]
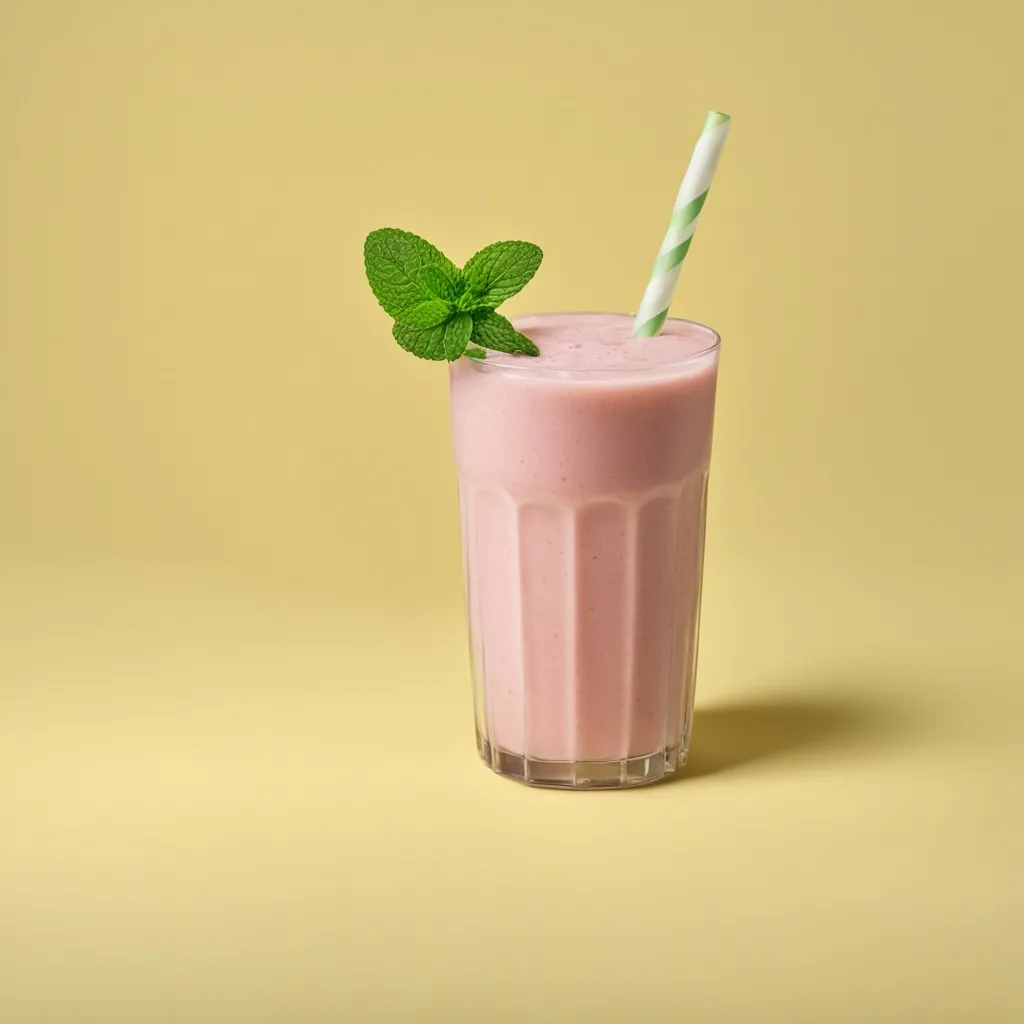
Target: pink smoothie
[(582, 480)]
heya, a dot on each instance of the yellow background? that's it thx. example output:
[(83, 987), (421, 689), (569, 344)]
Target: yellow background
[(237, 774)]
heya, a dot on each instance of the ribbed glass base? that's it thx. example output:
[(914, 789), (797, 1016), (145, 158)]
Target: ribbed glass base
[(629, 771)]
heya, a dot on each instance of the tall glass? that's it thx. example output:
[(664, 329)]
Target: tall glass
[(582, 484)]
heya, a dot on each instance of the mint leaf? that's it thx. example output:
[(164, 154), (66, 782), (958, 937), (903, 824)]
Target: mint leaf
[(430, 255), (500, 270), (434, 279), (492, 330), (393, 261), (426, 342), (426, 314), (475, 353), (442, 341), (456, 336)]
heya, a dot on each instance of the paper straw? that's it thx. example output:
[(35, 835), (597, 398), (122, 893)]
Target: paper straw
[(692, 194)]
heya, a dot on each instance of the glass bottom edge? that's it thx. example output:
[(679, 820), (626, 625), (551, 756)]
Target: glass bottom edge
[(620, 774)]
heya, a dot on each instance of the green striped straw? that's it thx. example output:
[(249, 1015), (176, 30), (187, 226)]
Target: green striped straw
[(692, 193)]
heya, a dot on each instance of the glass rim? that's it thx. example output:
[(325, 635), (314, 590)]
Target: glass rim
[(520, 363)]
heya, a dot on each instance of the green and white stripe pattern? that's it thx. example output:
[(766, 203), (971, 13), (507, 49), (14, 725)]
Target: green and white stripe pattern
[(692, 193)]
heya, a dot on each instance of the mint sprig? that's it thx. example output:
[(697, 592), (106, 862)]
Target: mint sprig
[(439, 310)]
